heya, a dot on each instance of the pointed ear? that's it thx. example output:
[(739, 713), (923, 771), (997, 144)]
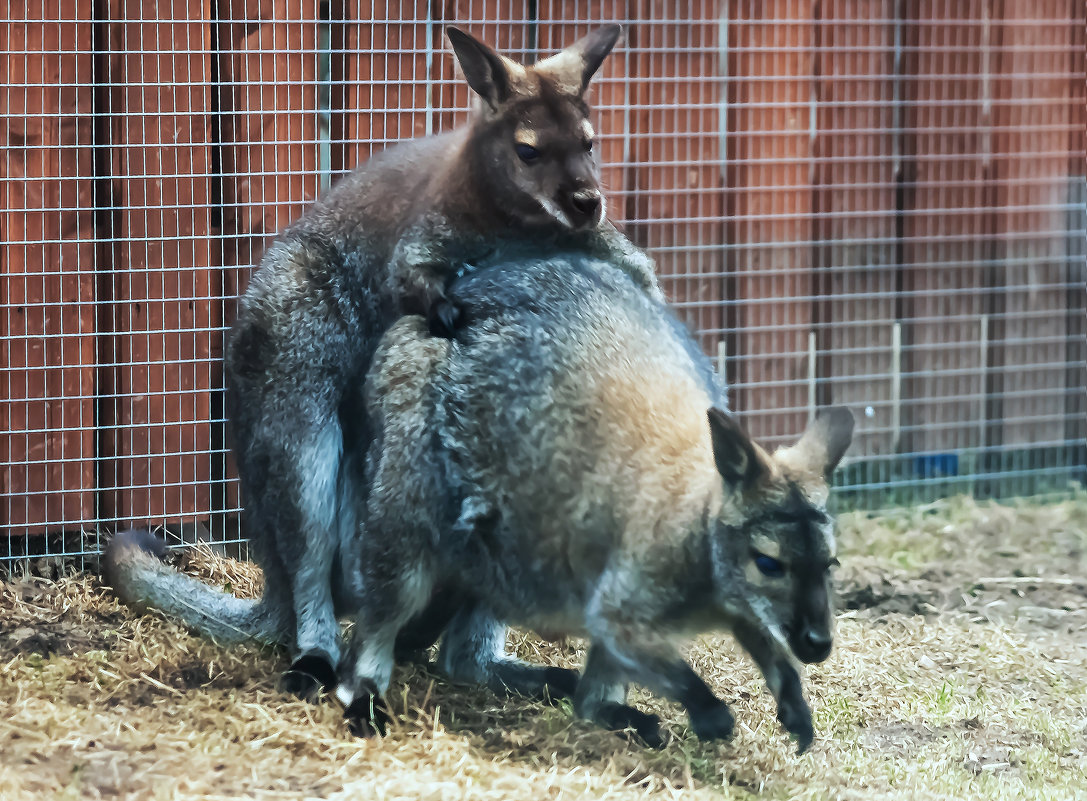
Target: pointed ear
[(573, 68), (484, 69), (826, 439), (737, 457)]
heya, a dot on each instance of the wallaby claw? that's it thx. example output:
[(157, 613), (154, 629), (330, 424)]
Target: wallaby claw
[(308, 675)]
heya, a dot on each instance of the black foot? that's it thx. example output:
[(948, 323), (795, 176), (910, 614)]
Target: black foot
[(308, 675), (618, 717), (534, 681), (559, 683), (794, 713), (712, 723), (367, 715)]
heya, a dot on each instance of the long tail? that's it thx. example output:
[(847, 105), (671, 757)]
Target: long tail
[(133, 567)]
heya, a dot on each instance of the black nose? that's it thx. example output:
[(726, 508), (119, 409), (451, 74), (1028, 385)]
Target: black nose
[(586, 202), (817, 646)]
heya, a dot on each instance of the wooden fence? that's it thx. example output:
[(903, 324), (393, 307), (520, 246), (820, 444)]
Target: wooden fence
[(873, 203)]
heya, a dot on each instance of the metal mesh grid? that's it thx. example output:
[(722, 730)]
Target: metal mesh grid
[(879, 204)]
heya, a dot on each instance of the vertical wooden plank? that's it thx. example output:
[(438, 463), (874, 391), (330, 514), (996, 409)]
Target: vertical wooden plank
[(267, 68), (770, 213), (945, 228), (383, 68), (678, 213), (157, 408), (46, 268), (1075, 429), (855, 214), (1035, 123)]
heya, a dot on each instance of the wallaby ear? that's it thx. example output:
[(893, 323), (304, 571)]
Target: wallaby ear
[(573, 68), (826, 439), (737, 457), (484, 69)]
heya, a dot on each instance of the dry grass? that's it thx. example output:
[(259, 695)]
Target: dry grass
[(938, 688)]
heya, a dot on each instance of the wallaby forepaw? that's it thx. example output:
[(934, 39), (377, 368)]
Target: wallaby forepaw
[(712, 723), (308, 675), (618, 717), (366, 715), (796, 719)]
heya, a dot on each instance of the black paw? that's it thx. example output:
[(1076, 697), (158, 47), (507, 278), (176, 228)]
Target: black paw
[(795, 717), (442, 318), (308, 675), (713, 722), (559, 683), (618, 717), (367, 715)]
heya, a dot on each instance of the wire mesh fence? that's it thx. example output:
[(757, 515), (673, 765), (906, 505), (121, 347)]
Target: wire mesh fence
[(872, 203)]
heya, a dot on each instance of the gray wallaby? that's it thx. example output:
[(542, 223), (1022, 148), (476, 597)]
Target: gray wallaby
[(386, 240), (566, 462)]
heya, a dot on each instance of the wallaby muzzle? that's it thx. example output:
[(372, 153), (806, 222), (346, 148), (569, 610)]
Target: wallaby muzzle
[(811, 635)]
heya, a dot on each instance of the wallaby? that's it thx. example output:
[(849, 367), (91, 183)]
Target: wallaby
[(385, 240), (566, 462)]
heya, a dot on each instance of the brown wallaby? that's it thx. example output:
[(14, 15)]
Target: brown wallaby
[(521, 175), (567, 463)]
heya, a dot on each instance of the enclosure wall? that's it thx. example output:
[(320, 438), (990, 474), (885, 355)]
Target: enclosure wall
[(874, 203)]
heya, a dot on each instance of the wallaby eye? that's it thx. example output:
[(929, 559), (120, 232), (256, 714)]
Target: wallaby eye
[(527, 153), (588, 145), (769, 566)]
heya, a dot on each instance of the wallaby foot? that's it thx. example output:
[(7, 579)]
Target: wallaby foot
[(794, 712), (538, 682), (714, 722), (367, 715), (308, 675), (617, 717)]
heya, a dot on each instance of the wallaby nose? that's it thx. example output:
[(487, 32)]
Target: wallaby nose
[(817, 646), (586, 202)]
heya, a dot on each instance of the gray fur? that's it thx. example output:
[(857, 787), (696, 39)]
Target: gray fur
[(555, 461), (387, 239)]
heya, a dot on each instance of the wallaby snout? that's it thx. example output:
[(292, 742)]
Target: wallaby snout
[(812, 645), (586, 208)]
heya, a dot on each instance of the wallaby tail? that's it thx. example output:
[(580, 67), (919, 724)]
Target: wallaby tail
[(133, 567)]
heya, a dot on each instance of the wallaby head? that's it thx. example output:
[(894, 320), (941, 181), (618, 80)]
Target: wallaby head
[(530, 136), (780, 554)]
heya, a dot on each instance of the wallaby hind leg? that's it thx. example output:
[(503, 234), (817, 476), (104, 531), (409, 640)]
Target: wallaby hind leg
[(297, 504), (394, 592), (602, 697), (474, 650)]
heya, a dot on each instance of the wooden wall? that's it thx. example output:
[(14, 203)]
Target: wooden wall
[(805, 172)]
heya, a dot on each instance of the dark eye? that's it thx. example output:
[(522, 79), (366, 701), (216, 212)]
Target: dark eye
[(588, 145), (527, 153), (769, 566)]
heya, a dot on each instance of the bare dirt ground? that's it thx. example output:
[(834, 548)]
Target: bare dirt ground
[(960, 672)]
